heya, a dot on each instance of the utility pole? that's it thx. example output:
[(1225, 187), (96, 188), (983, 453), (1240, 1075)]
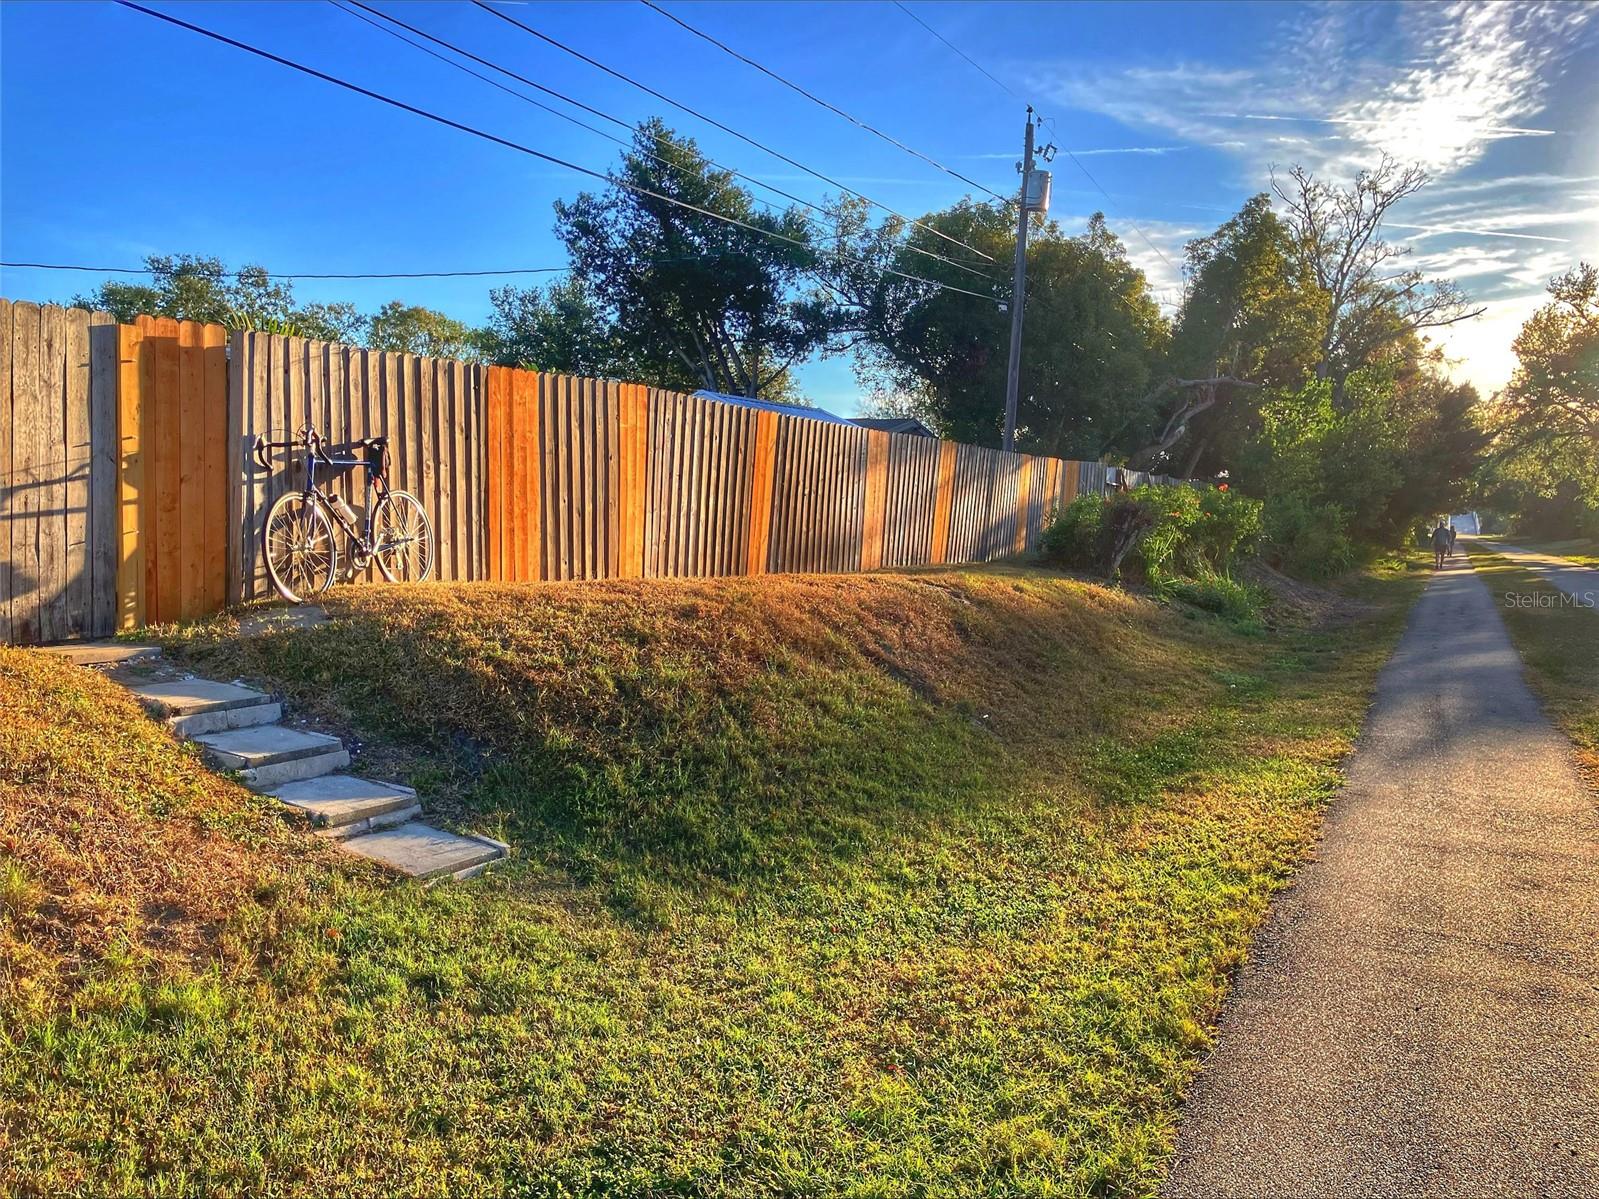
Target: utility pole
[(1013, 374)]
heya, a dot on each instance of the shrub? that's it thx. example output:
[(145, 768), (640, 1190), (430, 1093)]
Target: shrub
[(1073, 535), (1169, 547), (1309, 540), (1237, 603), (1154, 533), (1230, 524)]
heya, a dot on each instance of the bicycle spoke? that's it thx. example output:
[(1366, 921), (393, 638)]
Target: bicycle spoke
[(300, 548)]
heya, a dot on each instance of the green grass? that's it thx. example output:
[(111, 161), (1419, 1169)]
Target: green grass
[(890, 885), (1559, 642), (1584, 551)]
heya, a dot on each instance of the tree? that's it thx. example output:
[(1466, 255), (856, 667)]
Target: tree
[(192, 287), (559, 328), (1546, 421), (416, 330), (1335, 238), (1246, 323), (693, 301), (1091, 336), (1554, 393)]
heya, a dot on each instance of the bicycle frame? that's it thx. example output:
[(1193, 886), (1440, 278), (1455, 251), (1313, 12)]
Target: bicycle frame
[(318, 457), (374, 480)]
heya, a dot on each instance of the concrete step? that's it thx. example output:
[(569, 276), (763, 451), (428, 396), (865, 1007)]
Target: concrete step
[(422, 851), (270, 754), (195, 706), (103, 653), (341, 805)]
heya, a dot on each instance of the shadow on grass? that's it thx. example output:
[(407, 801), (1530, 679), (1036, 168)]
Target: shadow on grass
[(737, 732)]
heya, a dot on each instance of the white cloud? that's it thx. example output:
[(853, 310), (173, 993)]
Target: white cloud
[(1341, 84), (1482, 68), (1439, 230), (1434, 84)]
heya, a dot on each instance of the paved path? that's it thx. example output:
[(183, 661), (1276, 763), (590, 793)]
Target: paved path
[(1580, 582), (1420, 1014)]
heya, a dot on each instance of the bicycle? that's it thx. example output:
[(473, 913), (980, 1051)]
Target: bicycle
[(298, 539)]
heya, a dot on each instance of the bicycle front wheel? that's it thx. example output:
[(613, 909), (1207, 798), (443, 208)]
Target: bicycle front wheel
[(402, 539), (302, 556)]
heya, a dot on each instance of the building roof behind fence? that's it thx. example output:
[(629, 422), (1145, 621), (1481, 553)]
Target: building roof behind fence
[(769, 406)]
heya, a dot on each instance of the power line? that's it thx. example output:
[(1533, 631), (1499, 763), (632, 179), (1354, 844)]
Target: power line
[(615, 120), (506, 142), (665, 99), (1136, 227), (475, 274), (975, 64), (815, 99), (144, 270), (1007, 88)]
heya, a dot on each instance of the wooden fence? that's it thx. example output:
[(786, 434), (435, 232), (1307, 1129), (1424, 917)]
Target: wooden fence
[(128, 494), (58, 473), (430, 409)]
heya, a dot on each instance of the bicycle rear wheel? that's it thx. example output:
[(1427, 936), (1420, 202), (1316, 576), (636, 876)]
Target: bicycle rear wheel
[(402, 538), (297, 541)]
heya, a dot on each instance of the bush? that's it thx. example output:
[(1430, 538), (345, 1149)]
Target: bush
[(1154, 533), (1170, 547), (1230, 524), (1073, 535), (1237, 603), (1309, 540)]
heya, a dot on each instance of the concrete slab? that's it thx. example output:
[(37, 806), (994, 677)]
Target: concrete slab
[(273, 774), (339, 801), (241, 749), (227, 718), (188, 696), (103, 653), (422, 851)]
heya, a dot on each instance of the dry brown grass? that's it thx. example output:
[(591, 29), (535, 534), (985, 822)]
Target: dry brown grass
[(114, 841)]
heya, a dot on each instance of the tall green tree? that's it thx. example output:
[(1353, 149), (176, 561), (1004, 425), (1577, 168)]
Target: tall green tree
[(561, 328), (194, 287), (1247, 322), (693, 301), (1091, 337), (416, 330), (1546, 421), (1370, 301)]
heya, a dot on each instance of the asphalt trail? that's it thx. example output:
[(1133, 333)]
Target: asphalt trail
[(1579, 583), (1420, 1013)]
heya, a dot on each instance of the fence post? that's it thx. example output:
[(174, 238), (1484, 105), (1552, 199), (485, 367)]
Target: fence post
[(132, 372)]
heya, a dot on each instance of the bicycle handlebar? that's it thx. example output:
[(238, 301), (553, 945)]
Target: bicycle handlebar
[(310, 439)]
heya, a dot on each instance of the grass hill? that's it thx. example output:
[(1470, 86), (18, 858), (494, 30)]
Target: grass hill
[(887, 885)]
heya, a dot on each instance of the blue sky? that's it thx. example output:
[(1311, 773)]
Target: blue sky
[(121, 136)]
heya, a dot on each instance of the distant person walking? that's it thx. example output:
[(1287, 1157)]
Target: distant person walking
[(1453, 533), (1442, 542)]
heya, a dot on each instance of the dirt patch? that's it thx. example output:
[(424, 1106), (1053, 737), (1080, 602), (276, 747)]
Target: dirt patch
[(1296, 602)]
